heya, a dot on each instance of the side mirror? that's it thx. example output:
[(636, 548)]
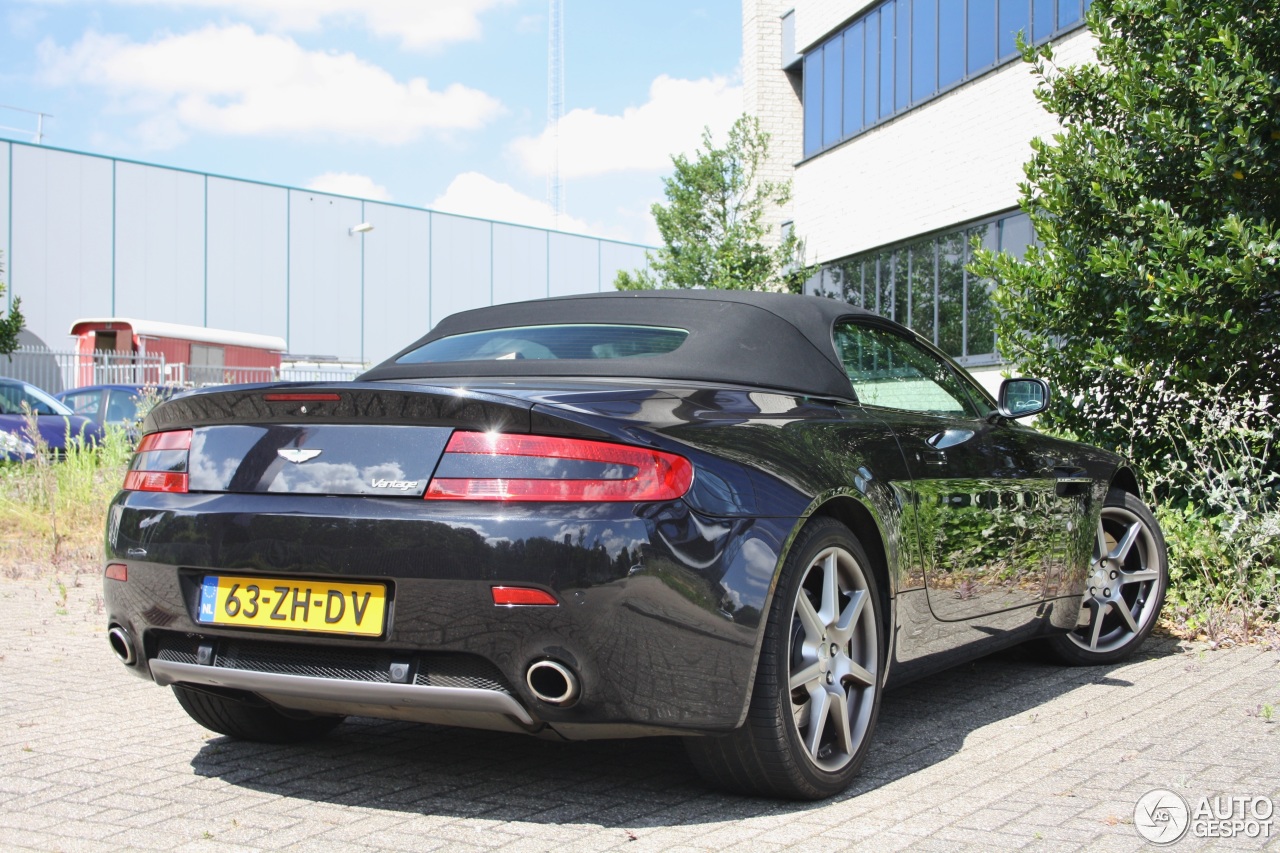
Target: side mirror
[(1021, 398)]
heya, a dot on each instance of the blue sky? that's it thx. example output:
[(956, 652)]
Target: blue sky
[(437, 103)]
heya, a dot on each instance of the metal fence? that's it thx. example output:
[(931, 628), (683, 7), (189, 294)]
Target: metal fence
[(63, 370)]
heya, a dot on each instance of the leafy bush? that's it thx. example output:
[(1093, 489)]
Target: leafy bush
[(1157, 208), (1217, 493)]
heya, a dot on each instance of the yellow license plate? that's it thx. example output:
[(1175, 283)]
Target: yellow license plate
[(293, 605)]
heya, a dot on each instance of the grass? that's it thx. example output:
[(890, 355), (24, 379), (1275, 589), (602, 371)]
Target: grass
[(52, 508)]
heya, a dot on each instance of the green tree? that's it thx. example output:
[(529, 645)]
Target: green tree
[(1158, 212), (713, 226), (11, 325)]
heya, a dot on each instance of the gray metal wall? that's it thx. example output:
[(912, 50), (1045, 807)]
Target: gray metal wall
[(90, 236)]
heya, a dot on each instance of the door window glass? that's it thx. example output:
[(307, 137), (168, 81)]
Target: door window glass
[(84, 403), (890, 371), (122, 407)]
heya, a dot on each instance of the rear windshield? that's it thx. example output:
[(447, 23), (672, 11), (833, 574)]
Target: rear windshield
[(576, 341)]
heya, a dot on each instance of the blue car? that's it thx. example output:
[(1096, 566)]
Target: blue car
[(114, 405), (56, 422)]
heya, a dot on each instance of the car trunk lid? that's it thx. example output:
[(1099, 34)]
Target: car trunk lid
[(349, 439)]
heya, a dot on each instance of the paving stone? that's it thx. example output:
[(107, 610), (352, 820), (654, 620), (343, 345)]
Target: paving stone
[(1002, 754)]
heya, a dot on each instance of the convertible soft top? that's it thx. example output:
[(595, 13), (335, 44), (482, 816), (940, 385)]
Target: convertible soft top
[(772, 340)]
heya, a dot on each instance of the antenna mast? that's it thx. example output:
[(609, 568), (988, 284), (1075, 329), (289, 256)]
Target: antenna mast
[(555, 102), (40, 117)]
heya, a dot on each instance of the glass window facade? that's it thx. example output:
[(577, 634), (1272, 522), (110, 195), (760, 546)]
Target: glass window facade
[(905, 52), (924, 284)]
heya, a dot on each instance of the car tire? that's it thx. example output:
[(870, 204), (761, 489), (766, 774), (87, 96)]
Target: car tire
[(1128, 578), (245, 719), (825, 636)]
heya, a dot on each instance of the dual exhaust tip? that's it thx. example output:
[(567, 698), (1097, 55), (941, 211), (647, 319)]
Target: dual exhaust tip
[(552, 682), (549, 680)]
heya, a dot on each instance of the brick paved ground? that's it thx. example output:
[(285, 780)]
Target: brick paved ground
[(1005, 753)]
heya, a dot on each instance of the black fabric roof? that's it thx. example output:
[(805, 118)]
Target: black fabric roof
[(772, 340)]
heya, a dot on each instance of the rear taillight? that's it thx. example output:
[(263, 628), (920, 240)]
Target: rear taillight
[(160, 463), (481, 466)]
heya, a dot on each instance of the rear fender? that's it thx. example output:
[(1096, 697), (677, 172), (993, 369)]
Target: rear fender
[(871, 516)]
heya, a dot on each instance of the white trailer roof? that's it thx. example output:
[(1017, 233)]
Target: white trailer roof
[(157, 329)]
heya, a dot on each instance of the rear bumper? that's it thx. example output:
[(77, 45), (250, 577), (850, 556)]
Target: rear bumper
[(659, 616), (307, 693)]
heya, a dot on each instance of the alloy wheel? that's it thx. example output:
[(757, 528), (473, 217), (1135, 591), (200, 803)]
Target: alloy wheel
[(1121, 596), (834, 659)]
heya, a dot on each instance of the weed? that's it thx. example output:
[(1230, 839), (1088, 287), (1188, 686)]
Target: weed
[(52, 507), (1216, 490), (41, 458)]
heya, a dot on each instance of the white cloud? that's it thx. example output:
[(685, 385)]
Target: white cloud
[(234, 81), (420, 24), (643, 138), (474, 194), (346, 183)]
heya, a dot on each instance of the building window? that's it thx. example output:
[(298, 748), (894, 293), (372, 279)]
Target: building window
[(905, 52), (923, 284)]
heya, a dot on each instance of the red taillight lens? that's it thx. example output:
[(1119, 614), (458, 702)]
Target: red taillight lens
[(176, 440), (482, 466), (117, 572), (160, 463), (513, 595)]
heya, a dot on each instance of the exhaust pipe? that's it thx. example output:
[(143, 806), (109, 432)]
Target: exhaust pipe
[(120, 645), (552, 682)]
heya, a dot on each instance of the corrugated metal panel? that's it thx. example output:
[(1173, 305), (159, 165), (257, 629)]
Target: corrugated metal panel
[(5, 153), (615, 257), (324, 275), (460, 271), (62, 250), (519, 263), (575, 264), (93, 236), (173, 350), (248, 247), (397, 283), (159, 244), (250, 357)]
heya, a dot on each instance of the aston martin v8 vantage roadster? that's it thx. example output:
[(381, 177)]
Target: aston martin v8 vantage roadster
[(731, 517)]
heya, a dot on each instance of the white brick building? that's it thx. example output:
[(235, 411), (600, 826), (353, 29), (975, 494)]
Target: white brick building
[(903, 125)]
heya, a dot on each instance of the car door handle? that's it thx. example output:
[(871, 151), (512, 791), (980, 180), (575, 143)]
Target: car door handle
[(1071, 481), (932, 457)]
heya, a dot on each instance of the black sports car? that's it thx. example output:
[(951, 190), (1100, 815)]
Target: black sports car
[(736, 517)]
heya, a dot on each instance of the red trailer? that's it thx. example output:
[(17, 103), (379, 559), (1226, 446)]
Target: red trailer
[(159, 353)]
